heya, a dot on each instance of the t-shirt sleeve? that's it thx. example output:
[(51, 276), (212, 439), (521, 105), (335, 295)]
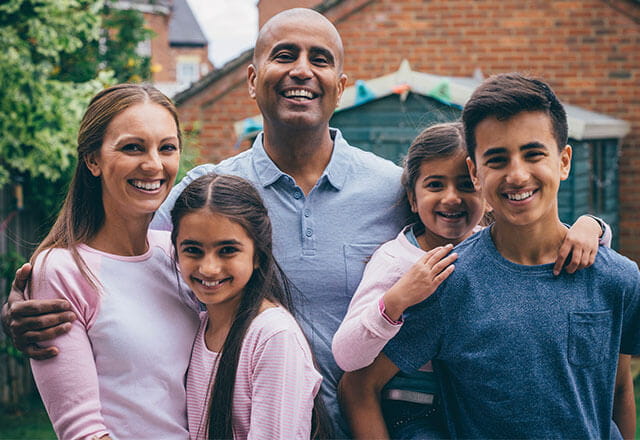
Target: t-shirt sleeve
[(420, 337), (630, 342), (364, 331), (284, 385), (68, 383), (162, 218)]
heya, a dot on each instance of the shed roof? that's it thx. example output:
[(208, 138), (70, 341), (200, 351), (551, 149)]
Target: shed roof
[(184, 29), (455, 91)]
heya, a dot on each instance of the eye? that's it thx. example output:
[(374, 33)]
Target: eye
[(168, 148), (496, 161), (228, 250), (320, 60), (466, 185), (535, 154), (191, 250), (434, 185), (284, 56), (132, 148)]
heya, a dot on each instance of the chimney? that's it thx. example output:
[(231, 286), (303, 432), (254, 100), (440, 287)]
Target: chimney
[(269, 8)]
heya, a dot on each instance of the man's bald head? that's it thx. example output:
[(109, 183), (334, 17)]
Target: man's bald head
[(289, 18)]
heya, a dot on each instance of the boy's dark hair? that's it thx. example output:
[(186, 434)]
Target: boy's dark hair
[(505, 95), (237, 199)]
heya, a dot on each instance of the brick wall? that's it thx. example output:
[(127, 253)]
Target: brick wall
[(588, 50)]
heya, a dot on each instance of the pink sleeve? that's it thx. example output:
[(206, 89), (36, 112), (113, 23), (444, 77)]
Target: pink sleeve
[(68, 383), (365, 331), (607, 235), (284, 384)]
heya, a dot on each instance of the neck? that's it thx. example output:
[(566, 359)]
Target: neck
[(121, 236), (428, 240), (303, 155), (529, 244)]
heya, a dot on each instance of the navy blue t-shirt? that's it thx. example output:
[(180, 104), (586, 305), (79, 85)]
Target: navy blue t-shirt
[(521, 353)]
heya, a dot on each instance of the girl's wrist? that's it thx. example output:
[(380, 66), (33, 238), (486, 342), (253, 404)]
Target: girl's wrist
[(390, 309)]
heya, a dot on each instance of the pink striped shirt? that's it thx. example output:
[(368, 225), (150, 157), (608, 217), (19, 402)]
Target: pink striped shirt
[(276, 381)]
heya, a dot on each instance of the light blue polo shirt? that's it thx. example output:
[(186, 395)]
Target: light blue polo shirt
[(322, 240)]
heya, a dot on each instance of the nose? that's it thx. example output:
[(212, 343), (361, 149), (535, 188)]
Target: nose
[(301, 69), (517, 172), (450, 196), (152, 162), (209, 265)]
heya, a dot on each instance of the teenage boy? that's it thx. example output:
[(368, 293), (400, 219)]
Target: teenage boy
[(521, 353)]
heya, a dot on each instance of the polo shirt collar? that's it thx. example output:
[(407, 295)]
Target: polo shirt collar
[(335, 173)]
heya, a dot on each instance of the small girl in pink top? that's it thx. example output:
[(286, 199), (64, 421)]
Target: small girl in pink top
[(251, 373)]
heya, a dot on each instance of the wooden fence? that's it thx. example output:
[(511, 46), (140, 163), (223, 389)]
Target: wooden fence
[(18, 234)]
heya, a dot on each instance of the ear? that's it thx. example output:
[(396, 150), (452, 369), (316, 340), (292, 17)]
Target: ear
[(411, 196), (251, 80), (342, 82), (473, 173), (92, 164), (565, 162)]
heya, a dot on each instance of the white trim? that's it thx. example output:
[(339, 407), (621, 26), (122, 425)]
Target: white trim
[(150, 9)]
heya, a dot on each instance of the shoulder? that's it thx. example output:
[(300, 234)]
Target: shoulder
[(616, 268), (368, 161), (275, 324), (161, 240), (398, 250), (238, 165)]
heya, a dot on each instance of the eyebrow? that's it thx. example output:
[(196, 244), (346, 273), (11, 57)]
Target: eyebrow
[(188, 242), (529, 146), (295, 48)]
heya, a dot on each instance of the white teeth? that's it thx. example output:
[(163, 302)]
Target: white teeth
[(451, 214), (520, 196), (298, 93), (209, 283), (149, 186)]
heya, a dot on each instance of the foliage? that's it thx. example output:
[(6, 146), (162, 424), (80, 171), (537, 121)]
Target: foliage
[(117, 49), (55, 56)]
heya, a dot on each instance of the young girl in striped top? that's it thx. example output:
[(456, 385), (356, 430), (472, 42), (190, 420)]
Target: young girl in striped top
[(251, 372)]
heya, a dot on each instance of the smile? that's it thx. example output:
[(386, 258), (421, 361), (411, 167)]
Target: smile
[(519, 196), (451, 215), (146, 186), (298, 94), (209, 283)]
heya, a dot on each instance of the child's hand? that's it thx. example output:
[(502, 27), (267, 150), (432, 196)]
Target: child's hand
[(420, 281), (581, 244)]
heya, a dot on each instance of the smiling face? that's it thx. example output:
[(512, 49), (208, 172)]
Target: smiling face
[(216, 257), (445, 200), (519, 167), (296, 77), (138, 161)]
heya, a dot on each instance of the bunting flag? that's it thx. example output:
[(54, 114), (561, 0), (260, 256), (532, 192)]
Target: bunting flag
[(250, 125), (363, 93)]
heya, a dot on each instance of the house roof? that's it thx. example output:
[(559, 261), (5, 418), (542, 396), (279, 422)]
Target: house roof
[(184, 29), (454, 91)]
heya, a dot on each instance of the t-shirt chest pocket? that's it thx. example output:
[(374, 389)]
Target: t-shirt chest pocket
[(589, 337)]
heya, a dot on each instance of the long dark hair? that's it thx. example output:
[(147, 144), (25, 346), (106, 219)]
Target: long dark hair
[(435, 142), (236, 199), (82, 213)]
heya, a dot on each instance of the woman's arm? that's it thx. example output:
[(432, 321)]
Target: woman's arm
[(68, 383), (359, 395)]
